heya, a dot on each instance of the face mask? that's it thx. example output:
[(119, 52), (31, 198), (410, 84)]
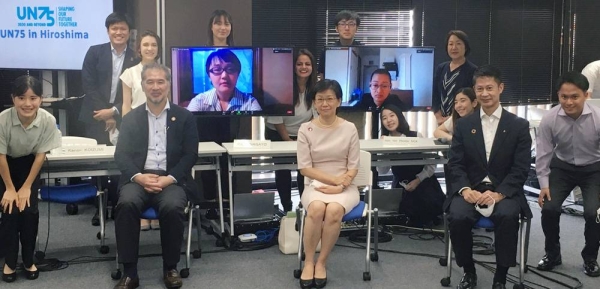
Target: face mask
[(598, 216), (486, 212)]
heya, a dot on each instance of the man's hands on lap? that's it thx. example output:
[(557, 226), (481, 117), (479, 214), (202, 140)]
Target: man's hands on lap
[(150, 182)]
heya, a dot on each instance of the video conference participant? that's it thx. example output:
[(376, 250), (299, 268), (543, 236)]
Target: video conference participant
[(223, 68), (489, 164), (102, 66), (26, 134), (346, 24), (155, 154), (285, 128), (220, 29), (423, 197), (465, 103), (452, 75), (328, 154), (568, 156)]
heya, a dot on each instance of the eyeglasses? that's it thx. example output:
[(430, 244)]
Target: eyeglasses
[(219, 70), (329, 100), (375, 87), (347, 24)]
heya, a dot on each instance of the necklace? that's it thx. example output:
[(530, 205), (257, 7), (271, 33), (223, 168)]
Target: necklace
[(326, 126)]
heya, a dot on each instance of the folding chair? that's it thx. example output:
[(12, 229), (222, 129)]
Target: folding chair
[(486, 223), (152, 214), (362, 210)]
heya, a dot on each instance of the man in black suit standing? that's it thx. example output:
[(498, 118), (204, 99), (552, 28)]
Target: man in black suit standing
[(489, 162), (102, 66), (157, 148)]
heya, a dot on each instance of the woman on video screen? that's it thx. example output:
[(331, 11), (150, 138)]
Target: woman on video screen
[(223, 68)]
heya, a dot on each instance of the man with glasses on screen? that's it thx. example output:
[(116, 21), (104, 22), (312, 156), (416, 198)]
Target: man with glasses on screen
[(346, 24), (223, 68)]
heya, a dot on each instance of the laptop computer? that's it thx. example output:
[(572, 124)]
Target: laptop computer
[(387, 201), (251, 208)]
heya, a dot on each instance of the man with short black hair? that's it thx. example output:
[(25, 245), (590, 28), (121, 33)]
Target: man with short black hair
[(346, 24), (568, 155), (489, 163)]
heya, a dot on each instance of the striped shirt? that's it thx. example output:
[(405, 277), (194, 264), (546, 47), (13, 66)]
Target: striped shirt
[(208, 101)]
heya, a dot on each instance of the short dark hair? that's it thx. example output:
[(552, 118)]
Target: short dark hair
[(326, 84), (462, 36), (157, 66), (347, 15), (575, 78), (488, 71), (403, 126), (218, 14), (24, 83), (139, 43), (224, 55), (381, 71), (117, 17)]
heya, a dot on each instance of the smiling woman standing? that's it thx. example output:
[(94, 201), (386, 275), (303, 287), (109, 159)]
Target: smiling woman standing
[(452, 75), (220, 29), (26, 134)]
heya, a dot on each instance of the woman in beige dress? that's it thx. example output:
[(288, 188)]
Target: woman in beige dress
[(328, 156)]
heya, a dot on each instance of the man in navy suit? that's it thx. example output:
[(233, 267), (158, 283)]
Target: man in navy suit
[(102, 66), (157, 148), (489, 163)]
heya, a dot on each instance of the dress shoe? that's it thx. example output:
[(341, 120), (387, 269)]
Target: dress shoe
[(212, 214), (498, 285), (468, 281), (128, 283), (96, 219), (321, 282), (307, 284), (591, 269), (548, 263), (9, 278), (172, 279), (32, 275)]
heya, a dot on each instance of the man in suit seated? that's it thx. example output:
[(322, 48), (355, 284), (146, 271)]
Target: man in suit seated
[(157, 148), (489, 163)]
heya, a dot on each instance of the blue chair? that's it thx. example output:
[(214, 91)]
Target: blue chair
[(193, 212), (70, 195), (486, 223), (360, 211)]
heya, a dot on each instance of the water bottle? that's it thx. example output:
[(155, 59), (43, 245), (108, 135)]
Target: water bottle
[(57, 150)]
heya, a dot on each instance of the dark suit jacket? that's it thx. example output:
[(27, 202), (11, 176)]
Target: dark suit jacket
[(509, 163), (96, 77), (182, 146)]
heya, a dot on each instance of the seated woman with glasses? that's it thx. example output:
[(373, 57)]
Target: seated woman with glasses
[(223, 68), (328, 155)]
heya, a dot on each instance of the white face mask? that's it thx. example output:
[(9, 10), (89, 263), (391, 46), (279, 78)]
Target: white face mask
[(598, 216), (486, 212)]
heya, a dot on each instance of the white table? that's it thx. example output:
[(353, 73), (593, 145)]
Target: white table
[(386, 155), (94, 165)]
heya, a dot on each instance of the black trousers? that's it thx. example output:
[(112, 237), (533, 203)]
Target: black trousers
[(96, 130), (20, 226), (283, 178), (462, 216), (170, 204), (563, 178)]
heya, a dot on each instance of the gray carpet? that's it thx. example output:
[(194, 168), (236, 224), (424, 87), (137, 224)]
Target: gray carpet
[(72, 236)]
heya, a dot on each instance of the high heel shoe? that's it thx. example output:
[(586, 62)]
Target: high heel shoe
[(9, 278), (321, 282), (307, 284), (32, 275)]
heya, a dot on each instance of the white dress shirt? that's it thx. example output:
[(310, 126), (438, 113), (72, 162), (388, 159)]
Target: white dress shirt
[(117, 66), (157, 140), (489, 126)]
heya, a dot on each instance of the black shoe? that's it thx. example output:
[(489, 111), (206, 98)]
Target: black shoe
[(9, 278), (96, 219), (468, 281), (307, 284), (128, 283), (320, 283), (591, 269), (212, 214), (32, 275), (172, 279), (498, 285), (548, 263)]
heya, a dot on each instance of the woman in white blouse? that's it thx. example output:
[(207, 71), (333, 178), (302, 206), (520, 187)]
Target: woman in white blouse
[(465, 103), (286, 128)]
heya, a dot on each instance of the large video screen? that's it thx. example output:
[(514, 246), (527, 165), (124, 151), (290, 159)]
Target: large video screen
[(411, 69), (234, 81), (50, 34)]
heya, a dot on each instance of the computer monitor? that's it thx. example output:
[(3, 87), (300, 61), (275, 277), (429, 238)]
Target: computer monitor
[(234, 81), (411, 69)]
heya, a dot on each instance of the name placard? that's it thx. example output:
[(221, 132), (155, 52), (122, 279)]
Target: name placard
[(87, 149), (251, 144), (407, 141)]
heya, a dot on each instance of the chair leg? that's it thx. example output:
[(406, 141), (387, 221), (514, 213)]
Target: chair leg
[(301, 237), (198, 228), (188, 247), (376, 219), (369, 232)]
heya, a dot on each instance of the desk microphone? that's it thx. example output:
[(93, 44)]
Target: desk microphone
[(442, 140)]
